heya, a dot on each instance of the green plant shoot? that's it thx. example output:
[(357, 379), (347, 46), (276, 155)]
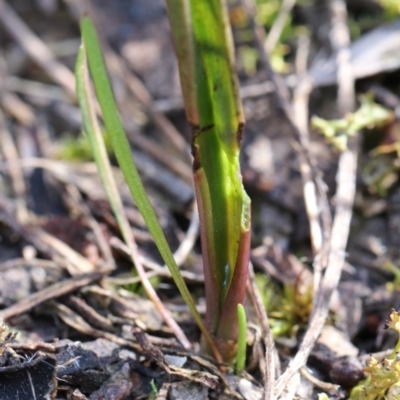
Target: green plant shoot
[(203, 43), (120, 144), (242, 345)]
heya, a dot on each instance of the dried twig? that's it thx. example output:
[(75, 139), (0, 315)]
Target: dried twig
[(314, 189), (78, 323), (90, 314), (46, 242), (340, 40), (345, 193), (36, 49), (50, 292), (315, 196), (44, 91), (153, 352), (186, 245), (31, 263), (300, 108), (163, 392), (269, 377), (17, 108), (327, 386), (320, 222), (279, 23)]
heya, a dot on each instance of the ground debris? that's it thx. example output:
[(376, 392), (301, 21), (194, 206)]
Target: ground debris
[(27, 378), (118, 387), (187, 390), (205, 378)]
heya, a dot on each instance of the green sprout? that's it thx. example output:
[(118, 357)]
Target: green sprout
[(213, 108), (338, 131), (154, 390), (242, 346), (383, 377)]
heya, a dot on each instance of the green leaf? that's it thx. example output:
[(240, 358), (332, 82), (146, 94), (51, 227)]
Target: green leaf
[(125, 160)]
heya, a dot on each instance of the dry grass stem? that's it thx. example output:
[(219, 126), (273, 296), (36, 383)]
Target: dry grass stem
[(346, 181), (51, 292), (270, 352), (278, 26)]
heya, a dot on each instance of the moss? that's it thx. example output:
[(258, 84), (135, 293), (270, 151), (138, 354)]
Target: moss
[(383, 377)]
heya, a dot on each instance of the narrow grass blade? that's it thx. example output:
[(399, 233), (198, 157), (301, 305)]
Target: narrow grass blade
[(97, 144), (123, 154)]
